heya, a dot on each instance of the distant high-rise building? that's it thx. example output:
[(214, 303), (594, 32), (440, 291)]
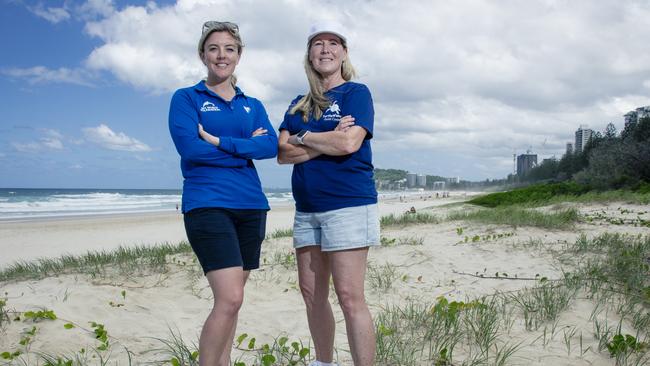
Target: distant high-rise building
[(421, 180), (569, 148), (411, 180), (583, 135), (526, 162), (635, 115)]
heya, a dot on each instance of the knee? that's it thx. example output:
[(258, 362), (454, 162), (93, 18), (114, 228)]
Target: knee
[(229, 304), (351, 301), (312, 296)]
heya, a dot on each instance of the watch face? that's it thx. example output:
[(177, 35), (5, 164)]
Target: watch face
[(302, 133)]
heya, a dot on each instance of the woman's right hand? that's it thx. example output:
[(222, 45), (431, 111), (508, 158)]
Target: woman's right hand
[(345, 123)]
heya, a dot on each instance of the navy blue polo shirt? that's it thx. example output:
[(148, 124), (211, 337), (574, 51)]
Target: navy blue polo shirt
[(223, 176), (328, 182)]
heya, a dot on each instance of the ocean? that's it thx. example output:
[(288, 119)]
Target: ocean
[(22, 203)]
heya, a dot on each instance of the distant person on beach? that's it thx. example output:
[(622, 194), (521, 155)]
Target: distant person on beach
[(218, 131), (326, 135)]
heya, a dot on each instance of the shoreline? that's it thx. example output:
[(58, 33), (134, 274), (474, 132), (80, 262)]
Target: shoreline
[(31, 239)]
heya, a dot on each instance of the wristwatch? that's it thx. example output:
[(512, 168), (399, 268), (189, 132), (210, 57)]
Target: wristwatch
[(301, 135)]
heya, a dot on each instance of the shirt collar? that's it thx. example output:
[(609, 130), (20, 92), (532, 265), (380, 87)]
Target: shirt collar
[(200, 86)]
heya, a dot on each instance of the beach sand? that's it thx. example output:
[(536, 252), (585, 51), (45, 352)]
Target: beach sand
[(139, 309)]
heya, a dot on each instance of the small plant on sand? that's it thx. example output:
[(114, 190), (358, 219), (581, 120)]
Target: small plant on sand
[(411, 240), (101, 335), (36, 316), (280, 233), (387, 242), (621, 347), (177, 352), (280, 352), (4, 313), (543, 302), (285, 259), (381, 278)]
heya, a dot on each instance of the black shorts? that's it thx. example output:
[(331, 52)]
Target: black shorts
[(224, 237)]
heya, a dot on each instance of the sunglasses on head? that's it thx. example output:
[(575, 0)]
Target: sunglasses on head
[(214, 24)]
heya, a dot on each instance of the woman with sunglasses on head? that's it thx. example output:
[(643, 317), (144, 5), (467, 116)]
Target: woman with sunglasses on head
[(326, 135), (218, 131)]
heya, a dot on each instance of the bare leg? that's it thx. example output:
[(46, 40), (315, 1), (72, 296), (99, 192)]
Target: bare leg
[(348, 271), (313, 276), (216, 337), (225, 357)]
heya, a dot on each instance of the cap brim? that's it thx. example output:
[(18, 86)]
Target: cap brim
[(324, 32)]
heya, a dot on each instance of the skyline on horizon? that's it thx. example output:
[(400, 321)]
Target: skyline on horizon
[(85, 84)]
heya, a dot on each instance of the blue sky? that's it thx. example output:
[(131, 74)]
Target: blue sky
[(458, 86)]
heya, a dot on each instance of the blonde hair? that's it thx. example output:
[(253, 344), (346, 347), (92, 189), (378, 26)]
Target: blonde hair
[(232, 29), (315, 102)]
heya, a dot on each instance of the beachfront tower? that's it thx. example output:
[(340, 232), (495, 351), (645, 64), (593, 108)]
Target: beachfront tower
[(411, 180), (583, 135), (421, 180), (526, 162), (569, 148)]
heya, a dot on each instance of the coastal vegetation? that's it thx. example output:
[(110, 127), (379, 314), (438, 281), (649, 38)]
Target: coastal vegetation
[(418, 320), (609, 161)]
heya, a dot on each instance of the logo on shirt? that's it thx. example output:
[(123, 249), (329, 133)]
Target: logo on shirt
[(209, 107), (332, 113), (247, 109)]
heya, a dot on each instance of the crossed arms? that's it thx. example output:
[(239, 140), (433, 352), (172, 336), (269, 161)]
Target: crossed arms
[(345, 139)]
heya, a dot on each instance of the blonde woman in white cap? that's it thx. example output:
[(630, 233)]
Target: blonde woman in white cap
[(326, 136), (218, 131)]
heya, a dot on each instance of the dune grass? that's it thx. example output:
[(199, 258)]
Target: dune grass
[(126, 259), (517, 216), (408, 219), (545, 194), (280, 233)]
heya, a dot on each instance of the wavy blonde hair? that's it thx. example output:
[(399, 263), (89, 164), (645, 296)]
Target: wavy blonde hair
[(228, 27), (315, 102)]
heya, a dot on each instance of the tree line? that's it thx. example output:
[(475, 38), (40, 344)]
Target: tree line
[(610, 160)]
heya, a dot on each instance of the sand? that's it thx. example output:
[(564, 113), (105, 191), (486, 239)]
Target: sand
[(137, 310)]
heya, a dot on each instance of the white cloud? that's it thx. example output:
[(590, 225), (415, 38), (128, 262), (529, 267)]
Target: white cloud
[(29, 147), (50, 141), (51, 14), (42, 74), (479, 78), (92, 9), (106, 138)]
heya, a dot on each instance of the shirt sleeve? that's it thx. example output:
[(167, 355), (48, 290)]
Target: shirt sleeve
[(184, 129), (285, 122), (358, 104), (258, 147)]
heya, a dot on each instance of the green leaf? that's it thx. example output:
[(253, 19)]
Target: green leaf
[(268, 360), (174, 361), (195, 355), (295, 346), (282, 341), (251, 343), (304, 352), (241, 338), (68, 325), (6, 355)]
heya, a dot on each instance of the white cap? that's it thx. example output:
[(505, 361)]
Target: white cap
[(326, 27)]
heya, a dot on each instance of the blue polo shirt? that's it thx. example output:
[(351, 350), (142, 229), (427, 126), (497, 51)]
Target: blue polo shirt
[(223, 176), (332, 182)]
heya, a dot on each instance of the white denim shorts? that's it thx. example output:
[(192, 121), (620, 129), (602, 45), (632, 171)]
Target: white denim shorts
[(345, 228)]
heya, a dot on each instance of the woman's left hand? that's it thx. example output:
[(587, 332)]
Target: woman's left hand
[(260, 132), (214, 140)]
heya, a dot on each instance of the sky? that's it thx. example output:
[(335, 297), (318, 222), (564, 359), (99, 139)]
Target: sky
[(458, 86)]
